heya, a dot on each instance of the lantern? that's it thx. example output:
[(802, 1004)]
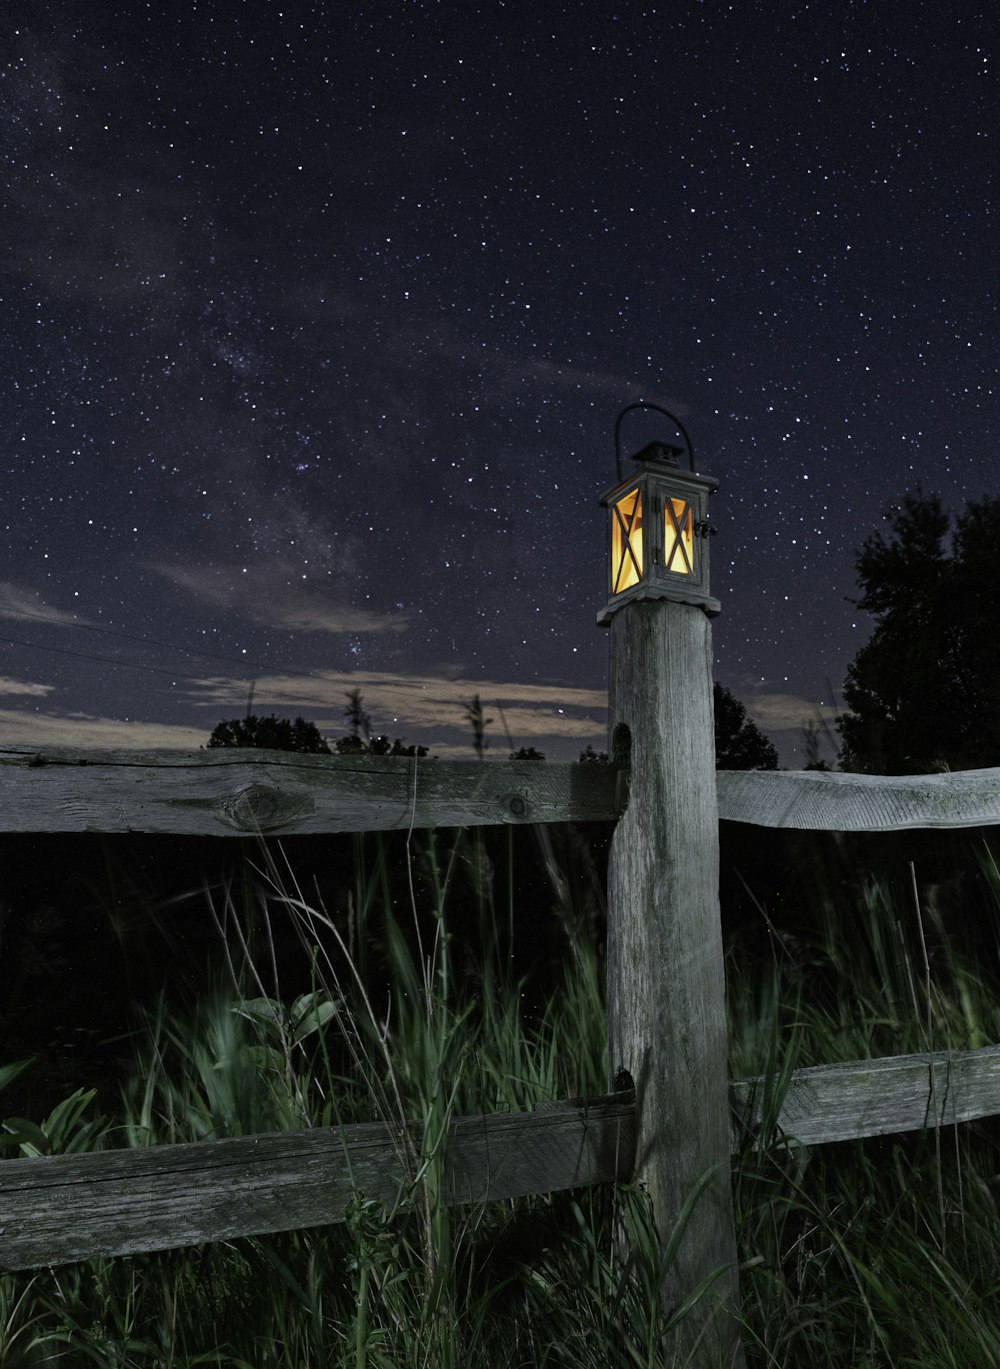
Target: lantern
[(658, 528)]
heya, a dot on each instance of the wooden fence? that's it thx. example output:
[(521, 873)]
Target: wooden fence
[(129, 1201)]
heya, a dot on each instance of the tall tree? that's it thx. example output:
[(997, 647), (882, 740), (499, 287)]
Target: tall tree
[(361, 741), (359, 722), (924, 693), (739, 742), (474, 713)]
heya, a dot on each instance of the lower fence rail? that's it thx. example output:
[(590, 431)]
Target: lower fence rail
[(61, 1208)]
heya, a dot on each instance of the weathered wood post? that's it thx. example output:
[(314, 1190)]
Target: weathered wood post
[(666, 989)]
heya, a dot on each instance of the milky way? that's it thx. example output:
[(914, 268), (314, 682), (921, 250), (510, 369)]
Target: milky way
[(318, 319)]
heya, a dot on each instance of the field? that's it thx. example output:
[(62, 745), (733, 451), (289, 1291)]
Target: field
[(462, 973)]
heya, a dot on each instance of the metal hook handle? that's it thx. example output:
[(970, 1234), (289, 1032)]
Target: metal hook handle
[(647, 404)]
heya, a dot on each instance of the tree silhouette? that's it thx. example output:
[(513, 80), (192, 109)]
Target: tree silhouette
[(376, 746), (272, 733), (592, 757), (739, 742), (359, 738), (474, 713), (924, 693), (360, 742), (359, 720), (812, 735)]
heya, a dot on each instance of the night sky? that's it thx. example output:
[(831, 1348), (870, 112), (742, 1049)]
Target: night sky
[(318, 318)]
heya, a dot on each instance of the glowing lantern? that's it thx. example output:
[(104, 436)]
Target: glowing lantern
[(658, 528)]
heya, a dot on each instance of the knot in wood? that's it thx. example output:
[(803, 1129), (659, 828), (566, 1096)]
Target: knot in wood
[(258, 807)]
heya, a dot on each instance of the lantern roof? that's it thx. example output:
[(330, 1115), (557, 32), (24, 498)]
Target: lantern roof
[(653, 469), (663, 452)]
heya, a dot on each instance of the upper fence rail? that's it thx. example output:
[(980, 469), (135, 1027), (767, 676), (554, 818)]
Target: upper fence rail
[(219, 792)]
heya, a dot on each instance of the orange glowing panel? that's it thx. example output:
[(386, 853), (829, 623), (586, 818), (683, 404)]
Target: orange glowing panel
[(626, 541), (678, 540)]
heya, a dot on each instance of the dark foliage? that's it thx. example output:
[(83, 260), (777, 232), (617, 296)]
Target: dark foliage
[(592, 757), (358, 720), (924, 693), (275, 734), (361, 742), (479, 723), (376, 746), (739, 742)]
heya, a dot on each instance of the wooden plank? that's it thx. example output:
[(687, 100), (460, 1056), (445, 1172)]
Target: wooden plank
[(125, 1202), (228, 793), (234, 792), (832, 802), (876, 1097)]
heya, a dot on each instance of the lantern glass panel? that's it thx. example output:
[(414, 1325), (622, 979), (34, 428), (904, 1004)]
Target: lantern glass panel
[(626, 541), (678, 538)]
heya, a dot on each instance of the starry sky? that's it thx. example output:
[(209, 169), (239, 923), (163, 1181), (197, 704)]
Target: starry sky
[(318, 318)]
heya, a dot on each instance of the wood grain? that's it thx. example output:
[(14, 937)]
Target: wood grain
[(665, 975), (233, 793), (222, 792), (876, 1097), (125, 1202), (832, 802)]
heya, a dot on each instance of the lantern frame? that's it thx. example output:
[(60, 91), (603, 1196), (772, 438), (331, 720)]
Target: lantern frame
[(658, 534)]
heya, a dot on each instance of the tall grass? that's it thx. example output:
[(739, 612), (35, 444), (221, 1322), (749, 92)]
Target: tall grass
[(392, 1027), (863, 1253), (882, 1251)]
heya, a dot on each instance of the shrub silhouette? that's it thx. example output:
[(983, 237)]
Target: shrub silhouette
[(272, 733)]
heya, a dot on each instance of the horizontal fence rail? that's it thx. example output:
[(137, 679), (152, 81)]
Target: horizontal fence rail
[(61, 1208), (858, 1098), (227, 793), (828, 801), (219, 792)]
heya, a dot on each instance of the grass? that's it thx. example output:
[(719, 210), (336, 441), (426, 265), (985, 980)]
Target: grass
[(866, 1253), (883, 1251)]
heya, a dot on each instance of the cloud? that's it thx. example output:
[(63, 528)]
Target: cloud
[(423, 694), (35, 691), (20, 603), (276, 596), (785, 719), (429, 705), (81, 730), (787, 712), (427, 709)]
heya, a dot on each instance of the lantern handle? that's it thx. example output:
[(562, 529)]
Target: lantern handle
[(646, 404)]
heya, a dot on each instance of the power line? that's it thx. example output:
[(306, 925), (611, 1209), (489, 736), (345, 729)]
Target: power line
[(148, 641), (130, 637), (86, 656)]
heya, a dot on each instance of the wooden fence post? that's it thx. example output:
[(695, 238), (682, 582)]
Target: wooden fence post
[(666, 985)]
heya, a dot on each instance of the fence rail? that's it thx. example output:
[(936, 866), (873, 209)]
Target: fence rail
[(858, 1098), (231, 793), (128, 1202), (132, 1201), (61, 1208), (835, 802)]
